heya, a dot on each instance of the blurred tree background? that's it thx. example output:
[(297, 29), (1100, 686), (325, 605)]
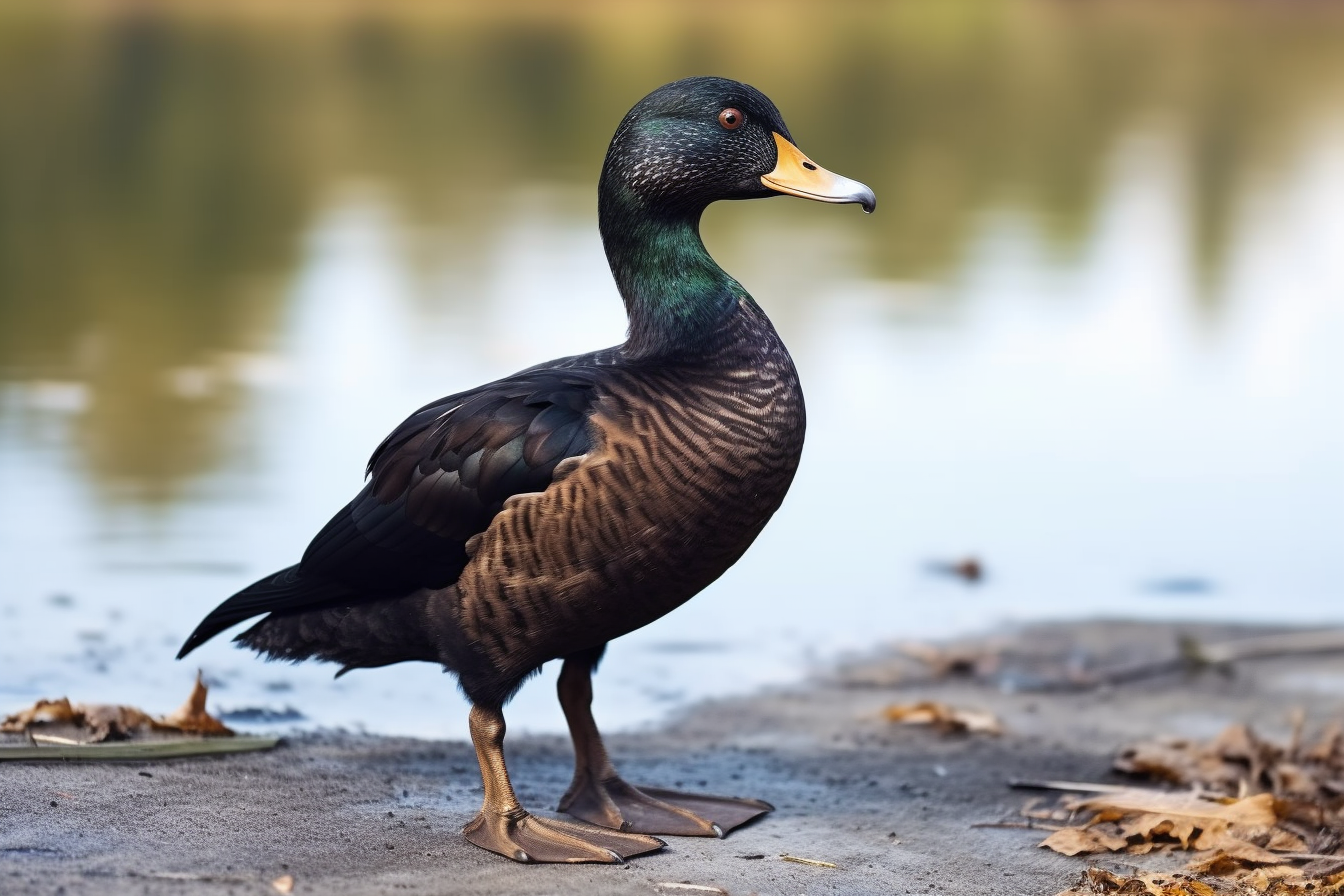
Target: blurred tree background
[(160, 162)]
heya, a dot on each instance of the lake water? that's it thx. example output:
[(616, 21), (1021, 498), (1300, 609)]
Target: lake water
[(1092, 336)]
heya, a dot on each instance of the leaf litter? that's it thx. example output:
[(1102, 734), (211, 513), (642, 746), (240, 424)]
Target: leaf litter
[(1266, 818), (63, 722)]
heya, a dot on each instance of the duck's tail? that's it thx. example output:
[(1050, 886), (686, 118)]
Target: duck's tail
[(362, 635), (287, 589)]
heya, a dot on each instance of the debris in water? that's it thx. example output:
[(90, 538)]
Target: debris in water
[(968, 569)]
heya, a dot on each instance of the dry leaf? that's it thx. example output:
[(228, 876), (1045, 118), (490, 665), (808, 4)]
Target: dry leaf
[(1138, 821), (284, 884), (1253, 812), (100, 722), (1076, 841), (43, 712), (1149, 883), (191, 717), (96, 722), (1259, 810), (1303, 784), (1284, 841), (1247, 854), (946, 719)]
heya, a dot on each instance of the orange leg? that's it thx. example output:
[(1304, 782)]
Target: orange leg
[(505, 827), (600, 796)]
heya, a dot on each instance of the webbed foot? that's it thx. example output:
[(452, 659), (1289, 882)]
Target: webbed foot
[(527, 838), (616, 804)]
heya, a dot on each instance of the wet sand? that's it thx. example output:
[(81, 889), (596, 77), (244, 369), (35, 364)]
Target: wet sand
[(891, 806)]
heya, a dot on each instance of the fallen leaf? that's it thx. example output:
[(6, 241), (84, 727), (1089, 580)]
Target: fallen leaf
[(944, 718), (100, 722), (1251, 812), (43, 712), (1149, 883), (1077, 841), (284, 884), (191, 717), (97, 722)]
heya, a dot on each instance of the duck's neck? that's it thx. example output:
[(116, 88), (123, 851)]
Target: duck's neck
[(676, 297)]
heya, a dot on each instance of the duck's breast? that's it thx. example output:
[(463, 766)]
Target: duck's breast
[(689, 462)]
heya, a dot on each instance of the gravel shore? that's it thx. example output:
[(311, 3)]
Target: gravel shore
[(892, 807)]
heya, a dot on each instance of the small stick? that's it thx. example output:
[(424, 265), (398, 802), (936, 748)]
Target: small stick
[(53, 739), (1075, 786), (1020, 825), (801, 861), (1288, 644), (1194, 656)]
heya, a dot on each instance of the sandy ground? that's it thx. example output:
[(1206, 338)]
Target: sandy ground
[(891, 806)]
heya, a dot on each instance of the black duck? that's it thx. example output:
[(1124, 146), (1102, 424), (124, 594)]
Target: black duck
[(539, 516)]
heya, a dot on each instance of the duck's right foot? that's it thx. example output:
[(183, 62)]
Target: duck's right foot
[(526, 838)]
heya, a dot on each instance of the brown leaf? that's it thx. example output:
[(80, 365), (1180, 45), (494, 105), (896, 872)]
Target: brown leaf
[(1327, 748), (1147, 883), (1180, 762), (947, 719), (1285, 841), (1247, 854), (1252, 812), (97, 722), (1150, 826), (43, 712), (191, 717), (1293, 780), (106, 722), (1075, 841)]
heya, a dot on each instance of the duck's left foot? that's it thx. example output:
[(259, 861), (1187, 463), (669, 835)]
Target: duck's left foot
[(615, 804)]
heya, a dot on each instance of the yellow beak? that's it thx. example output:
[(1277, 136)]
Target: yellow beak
[(798, 175)]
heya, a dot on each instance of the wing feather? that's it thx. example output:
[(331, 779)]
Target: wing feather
[(436, 481)]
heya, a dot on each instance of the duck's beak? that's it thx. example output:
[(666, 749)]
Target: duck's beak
[(798, 175)]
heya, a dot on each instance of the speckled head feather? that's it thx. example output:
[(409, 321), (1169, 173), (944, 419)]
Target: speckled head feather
[(672, 155)]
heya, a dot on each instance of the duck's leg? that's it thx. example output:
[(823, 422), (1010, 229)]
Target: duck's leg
[(601, 796), (505, 827)]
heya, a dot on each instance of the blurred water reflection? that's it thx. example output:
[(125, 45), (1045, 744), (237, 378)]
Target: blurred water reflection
[(1092, 335)]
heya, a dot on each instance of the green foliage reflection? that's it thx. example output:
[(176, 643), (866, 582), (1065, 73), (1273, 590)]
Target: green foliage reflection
[(159, 168)]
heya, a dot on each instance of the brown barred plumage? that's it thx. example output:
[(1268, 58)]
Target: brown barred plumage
[(688, 464)]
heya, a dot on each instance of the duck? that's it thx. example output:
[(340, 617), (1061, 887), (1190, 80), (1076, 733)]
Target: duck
[(539, 516)]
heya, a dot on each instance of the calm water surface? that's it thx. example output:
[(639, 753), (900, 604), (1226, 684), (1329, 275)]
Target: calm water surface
[(1092, 336)]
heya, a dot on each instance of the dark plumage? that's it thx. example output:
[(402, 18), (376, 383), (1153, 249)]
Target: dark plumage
[(540, 516)]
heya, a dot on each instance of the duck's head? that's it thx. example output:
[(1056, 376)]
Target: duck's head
[(698, 140)]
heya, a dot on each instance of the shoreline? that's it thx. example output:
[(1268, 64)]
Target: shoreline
[(891, 806)]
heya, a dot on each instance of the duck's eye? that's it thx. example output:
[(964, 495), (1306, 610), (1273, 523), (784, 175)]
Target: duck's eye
[(731, 119)]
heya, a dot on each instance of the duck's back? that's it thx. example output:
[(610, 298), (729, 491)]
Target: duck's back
[(690, 458)]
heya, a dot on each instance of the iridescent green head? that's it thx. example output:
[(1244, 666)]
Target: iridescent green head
[(698, 140), (680, 148)]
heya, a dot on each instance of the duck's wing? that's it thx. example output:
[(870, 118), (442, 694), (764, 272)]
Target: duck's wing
[(436, 481)]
